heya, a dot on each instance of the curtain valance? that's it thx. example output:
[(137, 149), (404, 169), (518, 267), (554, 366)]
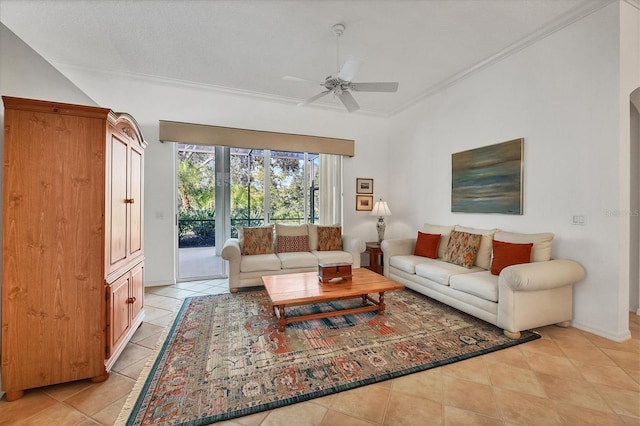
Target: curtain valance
[(202, 134)]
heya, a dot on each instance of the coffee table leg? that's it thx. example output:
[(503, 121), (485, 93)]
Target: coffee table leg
[(364, 299), (282, 322), (381, 305)]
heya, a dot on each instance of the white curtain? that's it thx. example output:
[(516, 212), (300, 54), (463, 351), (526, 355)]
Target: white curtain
[(330, 189)]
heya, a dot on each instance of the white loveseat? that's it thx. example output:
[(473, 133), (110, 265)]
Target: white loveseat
[(246, 270), (521, 297)]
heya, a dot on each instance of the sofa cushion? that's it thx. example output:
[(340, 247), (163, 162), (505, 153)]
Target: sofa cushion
[(295, 260), (313, 236), (507, 254), (441, 272), (407, 263), (462, 248), (444, 232), (256, 240), (483, 258), (333, 256), (427, 245), (482, 284), (329, 238), (541, 251), (293, 243), (291, 230), (260, 262)]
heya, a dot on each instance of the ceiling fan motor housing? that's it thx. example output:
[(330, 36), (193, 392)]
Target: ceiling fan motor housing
[(336, 84)]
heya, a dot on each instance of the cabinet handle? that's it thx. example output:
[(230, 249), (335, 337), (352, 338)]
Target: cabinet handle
[(131, 300), (129, 200)]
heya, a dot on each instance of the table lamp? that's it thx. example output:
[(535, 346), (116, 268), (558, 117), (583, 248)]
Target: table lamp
[(381, 210)]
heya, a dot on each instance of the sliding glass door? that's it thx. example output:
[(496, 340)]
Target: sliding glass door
[(196, 214), (273, 186), (292, 187), (221, 189), (247, 188)]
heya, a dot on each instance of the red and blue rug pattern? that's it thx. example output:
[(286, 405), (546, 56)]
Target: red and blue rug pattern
[(223, 356)]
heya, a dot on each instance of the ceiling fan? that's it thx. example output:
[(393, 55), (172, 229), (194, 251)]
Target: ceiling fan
[(341, 83)]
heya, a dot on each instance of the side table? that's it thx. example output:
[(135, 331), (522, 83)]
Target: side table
[(375, 257)]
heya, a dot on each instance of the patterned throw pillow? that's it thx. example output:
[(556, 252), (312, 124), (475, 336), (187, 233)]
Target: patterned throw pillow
[(462, 248), (257, 240), (287, 244), (329, 238), (507, 254)]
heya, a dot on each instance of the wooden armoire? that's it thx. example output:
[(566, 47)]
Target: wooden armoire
[(72, 241)]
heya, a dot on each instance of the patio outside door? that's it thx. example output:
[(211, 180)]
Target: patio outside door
[(198, 247)]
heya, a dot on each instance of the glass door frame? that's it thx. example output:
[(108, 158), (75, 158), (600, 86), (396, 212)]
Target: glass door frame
[(219, 205)]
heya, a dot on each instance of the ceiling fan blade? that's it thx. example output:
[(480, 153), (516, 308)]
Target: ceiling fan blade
[(301, 80), (350, 68), (374, 87), (314, 98), (349, 101)]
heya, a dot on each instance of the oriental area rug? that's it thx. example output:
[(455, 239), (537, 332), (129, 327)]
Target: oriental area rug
[(223, 356)]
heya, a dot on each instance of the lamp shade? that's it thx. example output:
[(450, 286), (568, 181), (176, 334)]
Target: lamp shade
[(380, 208)]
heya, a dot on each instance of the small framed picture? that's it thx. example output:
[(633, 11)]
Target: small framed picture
[(364, 203), (364, 186)]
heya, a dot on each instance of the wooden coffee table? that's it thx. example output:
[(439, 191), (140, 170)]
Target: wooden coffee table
[(302, 289)]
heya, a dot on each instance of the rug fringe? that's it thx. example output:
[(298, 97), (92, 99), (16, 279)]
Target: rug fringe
[(142, 378)]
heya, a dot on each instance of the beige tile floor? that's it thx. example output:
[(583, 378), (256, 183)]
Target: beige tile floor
[(568, 377)]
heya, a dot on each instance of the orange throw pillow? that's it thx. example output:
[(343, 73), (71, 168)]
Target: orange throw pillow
[(427, 245), (507, 254)]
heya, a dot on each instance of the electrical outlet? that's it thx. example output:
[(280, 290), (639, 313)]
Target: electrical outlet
[(578, 219)]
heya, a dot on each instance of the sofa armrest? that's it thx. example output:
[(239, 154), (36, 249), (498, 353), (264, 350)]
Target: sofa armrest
[(231, 250), (537, 276), (397, 247), (355, 246)]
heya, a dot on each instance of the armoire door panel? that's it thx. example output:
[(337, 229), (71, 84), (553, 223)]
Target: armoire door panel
[(137, 291), (120, 322), (135, 206), (118, 201)]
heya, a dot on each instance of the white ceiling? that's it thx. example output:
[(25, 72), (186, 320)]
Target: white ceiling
[(247, 46)]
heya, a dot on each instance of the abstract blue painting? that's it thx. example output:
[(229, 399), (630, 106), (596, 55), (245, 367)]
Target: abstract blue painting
[(488, 179)]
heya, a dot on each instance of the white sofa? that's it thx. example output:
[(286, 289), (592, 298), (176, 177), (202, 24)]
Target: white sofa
[(521, 297), (246, 270)]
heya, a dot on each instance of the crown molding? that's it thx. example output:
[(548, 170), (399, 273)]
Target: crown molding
[(178, 83), (634, 3), (553, 26), (557, 24)]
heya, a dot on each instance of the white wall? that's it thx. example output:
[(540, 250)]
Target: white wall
[(562, 96), (634, 234), (152, 100), (630, 144)]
